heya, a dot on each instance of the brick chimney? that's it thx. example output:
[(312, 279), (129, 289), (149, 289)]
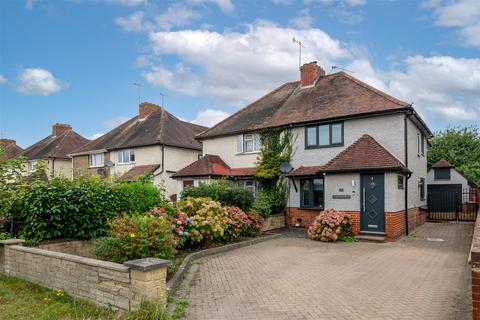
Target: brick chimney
[(145, 109), (6, 142), (309, 73), (59, 128)]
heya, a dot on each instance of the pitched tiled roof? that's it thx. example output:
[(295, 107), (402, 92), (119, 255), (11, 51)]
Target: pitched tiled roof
[(160, 127), (10, 149), (305, 171), (362, 155), (333, 96), (58, 146), (137, 171), (211, 166), (442, 164)]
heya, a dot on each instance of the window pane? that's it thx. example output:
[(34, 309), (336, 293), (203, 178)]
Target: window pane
[(318, 193), (324, 135), (248, 143), (258, 143), (312, 136), (305, 193), (337, 133), (132, 155)]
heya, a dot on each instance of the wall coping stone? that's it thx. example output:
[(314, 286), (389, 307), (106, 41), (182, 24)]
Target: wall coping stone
[(69, 257), (147, 264), (11, 242)]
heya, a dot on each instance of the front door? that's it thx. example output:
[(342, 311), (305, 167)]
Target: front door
[(372, 202)]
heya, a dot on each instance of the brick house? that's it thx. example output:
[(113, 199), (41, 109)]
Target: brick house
[(153, 142), (54, 150), (9, 148), (356, 149)]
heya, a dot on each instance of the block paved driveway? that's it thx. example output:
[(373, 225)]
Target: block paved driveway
[(296, 278)]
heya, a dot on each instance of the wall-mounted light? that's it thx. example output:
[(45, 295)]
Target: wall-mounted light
[(353, 183)]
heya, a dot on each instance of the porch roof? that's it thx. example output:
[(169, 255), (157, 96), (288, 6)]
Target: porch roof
[(212, 166)]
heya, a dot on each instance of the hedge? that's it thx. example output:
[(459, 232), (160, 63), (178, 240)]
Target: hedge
[(80, 209)]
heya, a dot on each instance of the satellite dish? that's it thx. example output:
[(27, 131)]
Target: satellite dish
[(285, 167), (109, 164)]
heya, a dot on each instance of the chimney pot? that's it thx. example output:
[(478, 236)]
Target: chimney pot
[(59, 128), (309, 73), (145, 109)]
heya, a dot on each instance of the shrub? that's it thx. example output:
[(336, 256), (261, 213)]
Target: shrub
[(254, 228), (223, 193), (239, 223), (137, 197), (209, 218), (270, 202), (134, 237), (330, 225), (80, 209), (180, 222)]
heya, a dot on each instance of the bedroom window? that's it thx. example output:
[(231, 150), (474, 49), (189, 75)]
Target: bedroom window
[(325, 135), (126, 156), (96, 160), (312, 193), (248, 143)]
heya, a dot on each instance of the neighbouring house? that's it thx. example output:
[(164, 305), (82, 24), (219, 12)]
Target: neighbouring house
[(153, 142), (54, 151), (10, 149), (356, 149), (448, 188)]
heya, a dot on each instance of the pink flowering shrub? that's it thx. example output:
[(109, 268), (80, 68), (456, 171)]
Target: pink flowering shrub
[(209, 219), (239, 222), (180, 222), (330, 225), (255, 225)]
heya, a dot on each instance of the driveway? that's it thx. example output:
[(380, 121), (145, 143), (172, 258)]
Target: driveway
[(296, 278)]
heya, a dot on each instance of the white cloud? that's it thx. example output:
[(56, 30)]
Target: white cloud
[(355, 3), (224, 5), (95, 136), (234, 66), (30, 4), (464, 15), (129, 3), (115, 122), (282, 2), (37, 81), (133, 23), (303, 20), (210, 117), (3, 80)]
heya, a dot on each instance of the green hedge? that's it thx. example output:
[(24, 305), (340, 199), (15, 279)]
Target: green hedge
[(80, 209), (223, 193)]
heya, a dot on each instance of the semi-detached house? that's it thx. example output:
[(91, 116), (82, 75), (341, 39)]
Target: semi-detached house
[(153, 142), (356, 149)]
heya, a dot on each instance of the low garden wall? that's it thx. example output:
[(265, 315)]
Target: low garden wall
[(120, 286), (82, 248), (474, 261), (273, 222)]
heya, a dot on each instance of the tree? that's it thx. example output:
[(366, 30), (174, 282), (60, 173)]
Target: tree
[(460, 147)]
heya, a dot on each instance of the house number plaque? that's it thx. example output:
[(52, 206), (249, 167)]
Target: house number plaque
[(341, 196)]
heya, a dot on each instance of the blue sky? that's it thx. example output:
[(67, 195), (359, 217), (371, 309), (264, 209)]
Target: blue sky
[(75, 61)]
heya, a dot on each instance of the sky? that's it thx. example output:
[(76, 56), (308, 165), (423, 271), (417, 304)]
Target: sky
[(75, 61)]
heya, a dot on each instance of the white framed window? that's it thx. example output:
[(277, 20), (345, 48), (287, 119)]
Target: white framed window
[(126, 156), (96, 160), (248, 143), (32, 165), (419, 144)]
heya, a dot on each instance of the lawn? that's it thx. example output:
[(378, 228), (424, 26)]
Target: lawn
[(23, 300)]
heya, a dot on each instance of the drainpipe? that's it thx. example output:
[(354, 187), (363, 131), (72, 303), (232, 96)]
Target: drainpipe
[(163, 158), (407, 175)]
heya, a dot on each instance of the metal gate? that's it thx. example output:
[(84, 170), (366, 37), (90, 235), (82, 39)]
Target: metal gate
[(453, 204)]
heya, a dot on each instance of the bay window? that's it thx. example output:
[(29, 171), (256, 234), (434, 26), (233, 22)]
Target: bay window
[(312, 193)]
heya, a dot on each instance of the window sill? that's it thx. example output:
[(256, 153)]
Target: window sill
[(312, 208), (96, 167), (124, 163), (323, 147), (246, 153)]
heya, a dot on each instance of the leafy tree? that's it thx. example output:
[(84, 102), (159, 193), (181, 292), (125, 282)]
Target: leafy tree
[(12, 186), (460, 147)]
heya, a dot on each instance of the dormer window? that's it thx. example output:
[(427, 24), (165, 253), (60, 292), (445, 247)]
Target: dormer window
[(441, 173)]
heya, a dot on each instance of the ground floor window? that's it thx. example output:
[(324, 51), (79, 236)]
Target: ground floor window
[(312, 193), (251, 185), (187, 184)]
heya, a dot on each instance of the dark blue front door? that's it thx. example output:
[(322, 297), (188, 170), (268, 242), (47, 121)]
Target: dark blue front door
[(372, 202)]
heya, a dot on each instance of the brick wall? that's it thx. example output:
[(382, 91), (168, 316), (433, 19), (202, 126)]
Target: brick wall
[(394, 221), (100, 282), (474, 261), (274, 222)]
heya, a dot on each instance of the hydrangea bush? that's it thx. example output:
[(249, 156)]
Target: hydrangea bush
[(330, 225), (180, 222)]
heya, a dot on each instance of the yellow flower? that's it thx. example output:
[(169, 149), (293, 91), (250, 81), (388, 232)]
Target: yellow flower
[(132, 235)]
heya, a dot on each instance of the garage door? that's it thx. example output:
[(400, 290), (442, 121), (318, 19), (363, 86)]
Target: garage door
[(444, 201)]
